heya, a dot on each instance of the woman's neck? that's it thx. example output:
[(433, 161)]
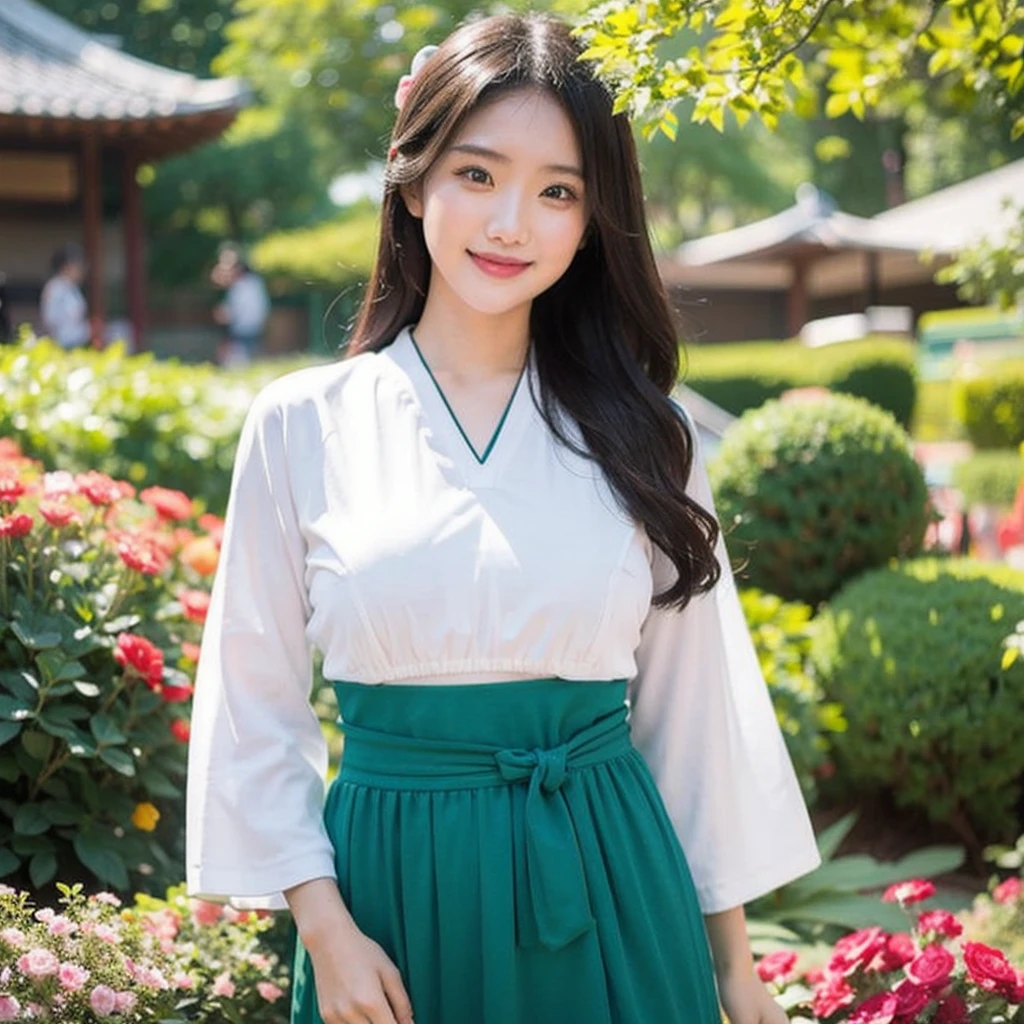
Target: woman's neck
[(470, 345)]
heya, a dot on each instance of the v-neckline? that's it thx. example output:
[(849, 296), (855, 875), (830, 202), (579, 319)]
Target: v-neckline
[(481, 460)]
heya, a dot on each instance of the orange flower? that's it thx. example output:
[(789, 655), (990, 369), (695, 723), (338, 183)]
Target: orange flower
[(168, 504), (201, 555), (180, 730), (190, 651), (145, 816), (213, 525), (195, 604)]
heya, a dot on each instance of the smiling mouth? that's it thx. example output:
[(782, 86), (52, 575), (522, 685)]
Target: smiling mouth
[(498, 266)]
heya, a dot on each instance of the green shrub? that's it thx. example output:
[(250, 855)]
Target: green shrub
[(132, 417), (914, 654), (990, 478), (782, 633), (933, 412), (813, 493), (991, 406), (743, 376)]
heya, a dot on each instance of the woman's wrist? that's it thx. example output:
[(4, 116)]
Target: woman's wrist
[(319, 912), (730, 946)]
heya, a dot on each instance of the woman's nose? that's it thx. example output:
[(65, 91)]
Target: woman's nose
[(508, 218)]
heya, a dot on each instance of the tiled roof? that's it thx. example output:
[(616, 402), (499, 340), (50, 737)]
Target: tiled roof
[(49, 68)]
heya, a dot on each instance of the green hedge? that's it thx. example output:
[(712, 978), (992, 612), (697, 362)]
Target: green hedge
[(914, 654), (134, 417), (745, 375), (813, 493), (991, 406), (990, 478)]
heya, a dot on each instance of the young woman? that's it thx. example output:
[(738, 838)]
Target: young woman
[(493, 522)]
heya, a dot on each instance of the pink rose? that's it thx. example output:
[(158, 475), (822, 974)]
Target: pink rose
[(182, 980), (204, 913), (1008, 891), (108, 898), (124, 1002), (72, 977), (38, 963), (10, 1008), (776, 966), (13, 937), (877, 1009), (106, 933), (61, 925), (269, 991), (857, 950), (988, 968), (914, 891), (45, 914), (223, 985), (832, 995), (103, 1000), (942, 922), (899, 951), (151, 977), (932, 967)]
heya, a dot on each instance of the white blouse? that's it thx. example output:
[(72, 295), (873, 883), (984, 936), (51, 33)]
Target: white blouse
[(360, 522)]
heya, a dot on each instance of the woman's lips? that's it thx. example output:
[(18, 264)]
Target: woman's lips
[(498, 266)]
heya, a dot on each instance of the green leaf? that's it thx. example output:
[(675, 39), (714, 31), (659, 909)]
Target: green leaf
[(830, 840), (62, 812), (99, 854), (118, 759), (15, 710), (157, 783), (35, 639), (37, 744), (86, 689), (105, 730), (8, 730), (42, 867), (8, 766), (8, 862), (30, 820)]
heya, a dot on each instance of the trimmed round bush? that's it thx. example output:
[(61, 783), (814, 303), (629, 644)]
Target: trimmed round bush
[(991, 406), (812, 493), (915, 655), (990, 478)]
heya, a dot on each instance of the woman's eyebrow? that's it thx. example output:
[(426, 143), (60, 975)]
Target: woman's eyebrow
[(493, 154)]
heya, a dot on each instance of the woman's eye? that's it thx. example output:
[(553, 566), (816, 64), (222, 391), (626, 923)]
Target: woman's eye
[(477, 175), (559, 192)]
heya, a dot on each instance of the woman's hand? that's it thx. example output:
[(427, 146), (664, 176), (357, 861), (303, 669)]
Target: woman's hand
[(746, 1000), (356, 982)]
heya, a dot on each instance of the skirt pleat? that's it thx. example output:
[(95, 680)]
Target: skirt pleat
[(438, 876)]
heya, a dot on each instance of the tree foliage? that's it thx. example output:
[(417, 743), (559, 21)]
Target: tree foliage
[(764, 57)]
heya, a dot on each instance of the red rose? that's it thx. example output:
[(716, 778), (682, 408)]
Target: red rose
[(831, 996), (952, 1010), (16, 525), (899, 951), (177, 694), (776, 966), (195, 604), (912, 1000), (100, 489), (58, 513), (141, 554), (180, 730), (942, 922), (814, 975), (1015, 995), (168, 504), (878, 1009), (856, 950), (213, 525), (143, 656), (11, 488), (1008, 891), (914, 891), (988, 968), (932, 967)]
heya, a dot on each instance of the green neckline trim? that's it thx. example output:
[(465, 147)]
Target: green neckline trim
[(481, 459)]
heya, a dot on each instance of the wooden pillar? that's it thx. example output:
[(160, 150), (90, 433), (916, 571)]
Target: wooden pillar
[(92, 213), (874, 296), (134, 249), (797, 304)]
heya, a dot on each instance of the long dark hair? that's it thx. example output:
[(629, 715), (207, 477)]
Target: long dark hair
[(604, 340)]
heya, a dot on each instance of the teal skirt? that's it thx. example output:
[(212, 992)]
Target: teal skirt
[(505, 844)]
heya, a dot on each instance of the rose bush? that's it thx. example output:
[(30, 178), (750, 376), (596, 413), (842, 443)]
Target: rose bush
[(931, 973), (172, 960), (102, 596), (997, 916)]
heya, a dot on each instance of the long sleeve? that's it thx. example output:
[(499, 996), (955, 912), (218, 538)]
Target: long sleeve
[(257, 756), (702, 717)]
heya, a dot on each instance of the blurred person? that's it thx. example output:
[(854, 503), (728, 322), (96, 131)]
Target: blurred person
[(62, 306), (243, 311)]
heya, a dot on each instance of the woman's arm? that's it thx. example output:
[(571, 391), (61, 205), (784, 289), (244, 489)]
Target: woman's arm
[(743, 995)]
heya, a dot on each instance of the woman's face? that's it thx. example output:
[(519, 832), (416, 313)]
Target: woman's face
[(503, 208)]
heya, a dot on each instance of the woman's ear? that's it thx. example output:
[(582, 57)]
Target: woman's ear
[(412, 196)]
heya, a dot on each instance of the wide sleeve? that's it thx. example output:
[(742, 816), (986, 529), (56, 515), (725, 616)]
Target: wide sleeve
[(257, 756), (702, 718)]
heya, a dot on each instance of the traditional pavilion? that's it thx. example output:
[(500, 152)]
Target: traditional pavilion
[(77, 120)]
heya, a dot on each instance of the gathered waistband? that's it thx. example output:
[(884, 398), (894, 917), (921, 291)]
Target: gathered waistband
[(558, 904)]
